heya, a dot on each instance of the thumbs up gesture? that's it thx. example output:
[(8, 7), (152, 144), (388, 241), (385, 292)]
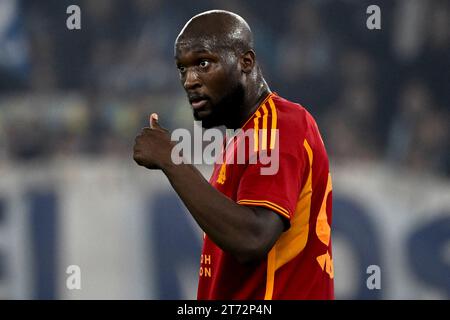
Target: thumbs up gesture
[(153, 121), (152, 147)]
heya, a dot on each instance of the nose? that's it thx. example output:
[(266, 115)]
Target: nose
[(192, 80)]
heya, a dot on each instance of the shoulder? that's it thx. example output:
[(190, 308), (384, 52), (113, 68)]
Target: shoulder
[(300, 125), (277, 115), (292, 116)]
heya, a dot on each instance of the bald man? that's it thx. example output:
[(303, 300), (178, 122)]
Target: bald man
[(266, 236)]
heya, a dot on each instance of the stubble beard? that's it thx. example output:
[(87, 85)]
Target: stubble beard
[(226, 111)]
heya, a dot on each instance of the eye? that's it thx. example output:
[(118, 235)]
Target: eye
[(204, 64), (182, 69)]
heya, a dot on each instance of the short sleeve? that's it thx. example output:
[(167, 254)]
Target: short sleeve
[(280, 190)]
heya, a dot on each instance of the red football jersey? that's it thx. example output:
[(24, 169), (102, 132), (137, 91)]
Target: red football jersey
[(300, 264)]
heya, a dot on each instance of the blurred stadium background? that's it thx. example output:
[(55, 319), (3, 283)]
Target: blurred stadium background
[(71, 103)]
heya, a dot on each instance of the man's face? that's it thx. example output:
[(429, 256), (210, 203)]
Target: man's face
[(211, 78)]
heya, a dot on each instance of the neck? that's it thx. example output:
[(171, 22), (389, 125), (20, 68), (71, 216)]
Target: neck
[(255, 96)]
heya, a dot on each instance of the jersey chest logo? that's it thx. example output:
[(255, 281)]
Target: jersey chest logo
[(222, 174)]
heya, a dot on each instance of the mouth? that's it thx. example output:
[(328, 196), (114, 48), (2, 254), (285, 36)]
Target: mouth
[(198, 102)]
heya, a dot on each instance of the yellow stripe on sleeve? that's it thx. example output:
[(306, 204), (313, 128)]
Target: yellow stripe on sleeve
[(274, 124), (267, 204), (256, 131), (264, 128)]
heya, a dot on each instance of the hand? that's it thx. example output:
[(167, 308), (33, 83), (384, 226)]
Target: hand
[(153, 147)]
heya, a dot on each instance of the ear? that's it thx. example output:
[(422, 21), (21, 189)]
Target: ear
[(247, 61)]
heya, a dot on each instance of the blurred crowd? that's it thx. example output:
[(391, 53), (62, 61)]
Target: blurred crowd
[(378, 95)]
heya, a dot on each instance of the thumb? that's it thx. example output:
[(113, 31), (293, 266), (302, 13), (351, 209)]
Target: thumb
[(154, 121)]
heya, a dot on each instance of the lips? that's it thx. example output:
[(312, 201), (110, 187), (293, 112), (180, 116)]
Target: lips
[(198, 101), (199, 104)]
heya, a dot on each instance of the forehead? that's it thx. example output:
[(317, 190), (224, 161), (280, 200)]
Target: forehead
[(181, 51), (198, 45)]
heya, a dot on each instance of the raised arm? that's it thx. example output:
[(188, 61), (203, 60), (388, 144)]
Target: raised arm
[(248, 233)]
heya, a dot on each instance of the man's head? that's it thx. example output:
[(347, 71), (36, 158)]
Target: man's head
[(215, 57)]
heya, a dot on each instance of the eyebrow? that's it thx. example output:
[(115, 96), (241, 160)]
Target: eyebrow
[(202, 51)]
